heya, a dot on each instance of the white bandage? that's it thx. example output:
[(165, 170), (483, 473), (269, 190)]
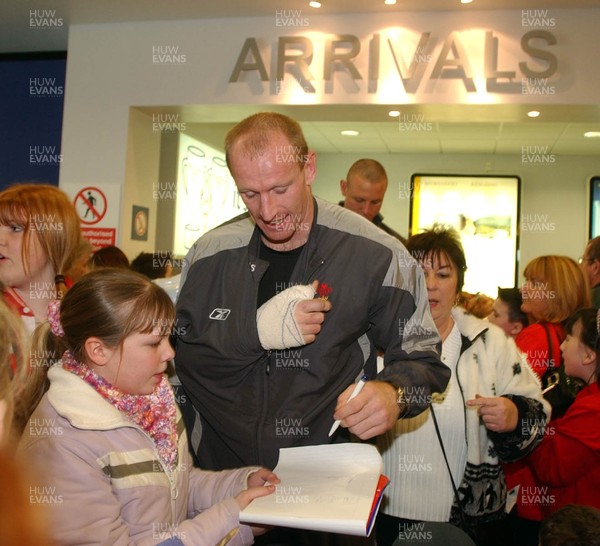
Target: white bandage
[(277, 325)]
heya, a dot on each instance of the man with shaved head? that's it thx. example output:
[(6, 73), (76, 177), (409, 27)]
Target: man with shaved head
[(364, 189)]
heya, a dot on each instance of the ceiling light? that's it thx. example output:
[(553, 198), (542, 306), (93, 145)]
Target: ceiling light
[(394, 113), (314, 4), (592, 134), (465, 1), (389, 2), (533, 114), (350, 132)]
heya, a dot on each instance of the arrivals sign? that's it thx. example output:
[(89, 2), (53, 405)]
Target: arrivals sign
[(481, 60)]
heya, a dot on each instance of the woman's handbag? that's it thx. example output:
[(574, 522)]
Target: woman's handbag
[(558, 388)]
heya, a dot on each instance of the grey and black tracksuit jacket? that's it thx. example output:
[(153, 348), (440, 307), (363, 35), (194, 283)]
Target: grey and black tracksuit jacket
[(252, 402)]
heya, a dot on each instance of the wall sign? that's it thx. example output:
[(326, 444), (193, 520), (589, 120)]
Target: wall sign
[(91, 205), (98, 210), (312, 60), (139, 223)]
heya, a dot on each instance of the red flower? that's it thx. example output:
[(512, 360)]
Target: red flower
[(324, 291)]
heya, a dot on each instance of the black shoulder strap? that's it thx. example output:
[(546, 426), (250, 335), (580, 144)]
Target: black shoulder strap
[(437, 431), (550, 345)]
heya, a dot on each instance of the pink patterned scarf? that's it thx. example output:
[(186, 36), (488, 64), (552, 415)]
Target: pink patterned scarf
[(154, 413)]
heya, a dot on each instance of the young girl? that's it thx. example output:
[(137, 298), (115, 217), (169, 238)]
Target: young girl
[(39, 239), (567, 462), (108, 434)]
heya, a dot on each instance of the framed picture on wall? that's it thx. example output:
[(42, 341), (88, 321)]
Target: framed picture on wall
[(594, 206), (484, 210)]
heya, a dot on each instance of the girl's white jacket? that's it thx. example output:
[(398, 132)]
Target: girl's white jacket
[(100, 478)]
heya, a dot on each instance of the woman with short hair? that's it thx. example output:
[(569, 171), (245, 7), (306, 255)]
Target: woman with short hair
[(485, 416)]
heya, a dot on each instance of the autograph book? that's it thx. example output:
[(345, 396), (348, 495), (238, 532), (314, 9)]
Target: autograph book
[(333, 487)]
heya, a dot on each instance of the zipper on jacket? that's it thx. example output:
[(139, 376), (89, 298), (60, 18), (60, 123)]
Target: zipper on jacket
[(173, 489), (262, 395), (466, 344)]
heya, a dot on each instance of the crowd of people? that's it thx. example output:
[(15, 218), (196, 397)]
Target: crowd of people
[(483, 411)]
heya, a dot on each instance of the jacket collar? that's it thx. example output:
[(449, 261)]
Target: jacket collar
[(469, 326), (378, 220), (80, 404), (308, 261)]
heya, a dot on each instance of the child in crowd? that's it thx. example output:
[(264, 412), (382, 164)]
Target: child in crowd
[(506, 312), (109, 256), (571, 525), (155, 265), (40, 236), (567, 462), (108, 434)]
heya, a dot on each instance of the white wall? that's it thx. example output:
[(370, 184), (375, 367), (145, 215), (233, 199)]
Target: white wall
[(111, 68), (559, 191), (141, 171)]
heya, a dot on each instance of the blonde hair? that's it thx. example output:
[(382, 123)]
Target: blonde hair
[(22, 522), (45, 212), (107, 303), (564, 279), (13, 366)]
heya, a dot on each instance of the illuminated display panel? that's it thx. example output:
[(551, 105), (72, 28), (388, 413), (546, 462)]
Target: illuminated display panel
[(594, 206), (485, 211), (206, 193)]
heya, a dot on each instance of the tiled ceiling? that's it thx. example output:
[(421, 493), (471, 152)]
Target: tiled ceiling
[(497, 129)]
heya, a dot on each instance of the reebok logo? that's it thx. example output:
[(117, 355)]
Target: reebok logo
[(219, 314)]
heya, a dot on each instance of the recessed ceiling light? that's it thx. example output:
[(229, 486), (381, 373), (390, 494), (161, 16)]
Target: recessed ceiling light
[(350, 132), (533, 114), (465, 1), (314, 4), (389, 2), (393, 113), (592, 134)]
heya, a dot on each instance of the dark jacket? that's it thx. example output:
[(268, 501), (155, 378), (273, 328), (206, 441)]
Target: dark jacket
[(253, 402), (378, 221)]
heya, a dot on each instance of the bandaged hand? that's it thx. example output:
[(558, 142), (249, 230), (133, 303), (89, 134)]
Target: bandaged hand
[(291, 318)]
